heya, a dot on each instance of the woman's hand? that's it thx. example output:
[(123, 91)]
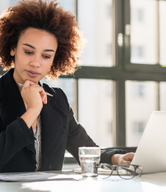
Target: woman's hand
[(118, 159), (33, 96)]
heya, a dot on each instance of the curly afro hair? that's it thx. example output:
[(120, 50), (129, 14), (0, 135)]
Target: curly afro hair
[(45, 15)]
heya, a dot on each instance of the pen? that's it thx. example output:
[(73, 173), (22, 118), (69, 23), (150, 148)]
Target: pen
[(21, 85)]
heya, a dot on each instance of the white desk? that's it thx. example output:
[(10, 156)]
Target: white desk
[(147, 183)]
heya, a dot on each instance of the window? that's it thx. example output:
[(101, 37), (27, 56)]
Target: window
[(144, 57), (13, 1), (162, 32), (67, 85), (138, 128), (138, 108), (138, 90), (120, 84), (109, 10), (110, 127), (143, 34), (109, 50), (96, 109), (138, 53), (162, 89), (68, 5), (141, 92), (140, 13), (97, 31), (136, 132), (137, 15)]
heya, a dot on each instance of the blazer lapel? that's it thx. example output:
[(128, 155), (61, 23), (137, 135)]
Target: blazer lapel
[(53, 126)]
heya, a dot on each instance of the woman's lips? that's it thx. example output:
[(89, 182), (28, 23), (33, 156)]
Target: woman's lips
[(32, 73)]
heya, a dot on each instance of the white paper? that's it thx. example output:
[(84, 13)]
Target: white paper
[(36, 176)]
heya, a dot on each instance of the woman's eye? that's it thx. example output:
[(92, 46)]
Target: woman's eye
[(28, 52), (46, 56)]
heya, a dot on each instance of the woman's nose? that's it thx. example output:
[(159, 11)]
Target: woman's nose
[(35, 61)]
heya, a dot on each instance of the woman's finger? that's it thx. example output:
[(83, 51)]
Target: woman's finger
[(31, 85), (43, 96), (41, 91), (28, 83)]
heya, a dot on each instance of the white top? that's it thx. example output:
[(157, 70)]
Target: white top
[(37, 133)]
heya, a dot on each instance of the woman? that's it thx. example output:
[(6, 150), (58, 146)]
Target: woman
[(39, 39)]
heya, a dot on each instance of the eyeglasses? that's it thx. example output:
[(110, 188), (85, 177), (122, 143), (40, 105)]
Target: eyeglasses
[(125, 171)]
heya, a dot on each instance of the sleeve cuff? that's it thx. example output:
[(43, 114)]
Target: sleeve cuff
[(106, 154)]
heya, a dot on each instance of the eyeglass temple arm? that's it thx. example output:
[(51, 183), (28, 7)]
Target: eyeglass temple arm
[(130, 171), (113, 167)]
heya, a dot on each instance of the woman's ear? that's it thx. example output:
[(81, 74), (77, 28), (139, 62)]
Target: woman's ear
[(12, 52)]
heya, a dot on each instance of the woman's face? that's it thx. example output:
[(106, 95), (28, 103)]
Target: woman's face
[(34, 55)]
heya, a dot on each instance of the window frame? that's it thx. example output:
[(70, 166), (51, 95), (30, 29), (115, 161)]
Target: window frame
[(121, 71)]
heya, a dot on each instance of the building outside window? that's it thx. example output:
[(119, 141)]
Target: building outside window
[(139, 90), (138, 15), (138, 128)]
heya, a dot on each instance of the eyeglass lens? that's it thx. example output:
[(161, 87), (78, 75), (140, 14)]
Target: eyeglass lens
[(128, 172)]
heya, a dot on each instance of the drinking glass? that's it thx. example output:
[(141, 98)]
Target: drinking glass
[(89, 160)]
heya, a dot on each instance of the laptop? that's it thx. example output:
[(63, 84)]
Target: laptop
[(151, 151)]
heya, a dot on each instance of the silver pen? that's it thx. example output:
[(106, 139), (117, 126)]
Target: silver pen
[(21, 85)]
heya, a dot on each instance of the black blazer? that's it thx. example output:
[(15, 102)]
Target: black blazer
[(60, 131)]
